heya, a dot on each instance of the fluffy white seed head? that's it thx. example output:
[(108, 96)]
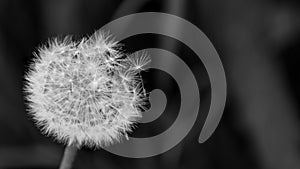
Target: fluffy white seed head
[(87, 92)]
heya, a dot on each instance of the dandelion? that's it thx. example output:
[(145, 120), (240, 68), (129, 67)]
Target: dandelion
[(86, 93)]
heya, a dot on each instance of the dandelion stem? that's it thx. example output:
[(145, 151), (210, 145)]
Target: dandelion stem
[(68, 158)]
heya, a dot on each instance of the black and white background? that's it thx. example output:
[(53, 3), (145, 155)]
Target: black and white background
[(257, 40)]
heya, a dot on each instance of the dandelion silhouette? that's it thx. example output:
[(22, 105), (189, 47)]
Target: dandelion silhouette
[(86, 93)]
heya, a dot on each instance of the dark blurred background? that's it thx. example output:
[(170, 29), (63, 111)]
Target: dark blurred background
[(257, 40)]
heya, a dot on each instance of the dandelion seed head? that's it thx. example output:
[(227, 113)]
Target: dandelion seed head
[(87, 92)]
